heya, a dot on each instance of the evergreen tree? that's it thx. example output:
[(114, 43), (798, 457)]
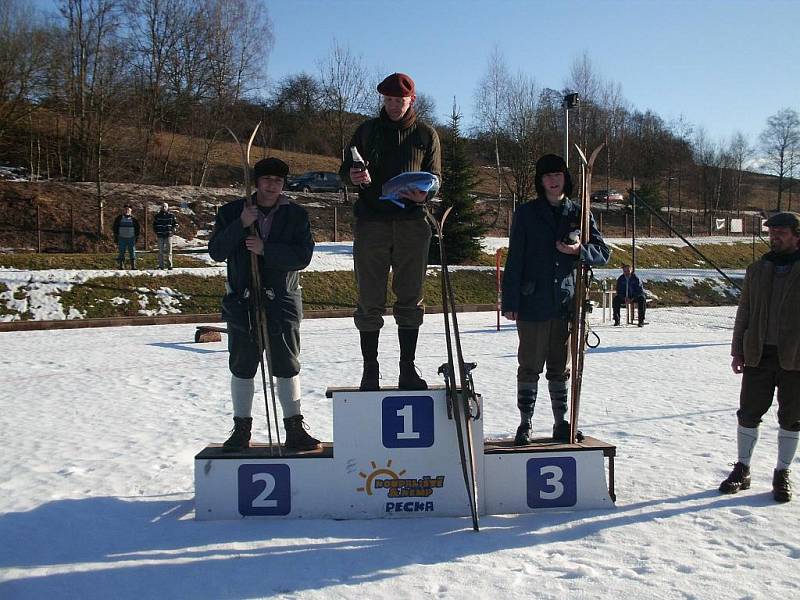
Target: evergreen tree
[(463, 229)]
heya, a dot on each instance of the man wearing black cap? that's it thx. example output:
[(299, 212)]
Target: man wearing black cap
[(283, 245), (766, 351), (126, 232), (539, 288), (386, 235)]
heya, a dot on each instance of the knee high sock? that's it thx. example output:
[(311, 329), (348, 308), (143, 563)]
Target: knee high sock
[(526, 399), (242, 396), (746, 438), (787, 447), (289, 395), (558, 399)]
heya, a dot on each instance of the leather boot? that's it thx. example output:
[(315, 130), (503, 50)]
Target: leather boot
[(370, 376), (409, 378), (297, 438), (240, 435), (524, 437)]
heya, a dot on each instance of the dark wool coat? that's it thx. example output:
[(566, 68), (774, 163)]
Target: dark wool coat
[(632, 288), (539, 281), (288, 249), (750, 327)]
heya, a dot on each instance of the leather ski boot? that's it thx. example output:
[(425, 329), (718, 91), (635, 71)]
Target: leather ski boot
[(781, 485), (370, 376), (409, 378), (524, 432), (561, 433), (739, 479), (240, 435), (297, 438)]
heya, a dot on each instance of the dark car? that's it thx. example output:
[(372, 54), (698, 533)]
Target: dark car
[(316, 181), (610, 195)]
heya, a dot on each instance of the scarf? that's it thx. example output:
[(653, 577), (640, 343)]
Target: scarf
[(781, 260), (267, 216)]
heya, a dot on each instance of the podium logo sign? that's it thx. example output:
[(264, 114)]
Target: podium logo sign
[(407, 421), (264, 490), (399, 487), (552, 482)]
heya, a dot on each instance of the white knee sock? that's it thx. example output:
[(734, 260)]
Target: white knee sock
[(746, 438), (787, 447), (242, 391), (289, 395)]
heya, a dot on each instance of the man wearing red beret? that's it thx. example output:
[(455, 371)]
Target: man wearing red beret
[(386, 235)]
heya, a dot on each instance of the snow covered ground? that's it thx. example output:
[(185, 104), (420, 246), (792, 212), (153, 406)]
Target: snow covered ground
[(101, 427)]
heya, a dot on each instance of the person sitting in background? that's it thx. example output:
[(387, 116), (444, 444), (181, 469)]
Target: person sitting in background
[(629, 290)]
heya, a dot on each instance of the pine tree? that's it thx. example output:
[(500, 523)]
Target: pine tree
[(463, 229)]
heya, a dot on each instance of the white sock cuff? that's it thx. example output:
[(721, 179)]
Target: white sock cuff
[(289, 395), (746, 438), (242, 391), (787, 447)]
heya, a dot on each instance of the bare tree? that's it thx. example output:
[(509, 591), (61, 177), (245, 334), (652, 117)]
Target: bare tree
[(344, 82), (490, 99), (780, 142), (23, 56), (425, 107), (155, 29), (740, 152)]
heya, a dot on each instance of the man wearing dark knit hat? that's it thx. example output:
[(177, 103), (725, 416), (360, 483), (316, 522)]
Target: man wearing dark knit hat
[(766, 352), (386, 235), (539, 289), (283, 245)]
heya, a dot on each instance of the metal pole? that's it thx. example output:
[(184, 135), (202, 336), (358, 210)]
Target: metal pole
[(566, 134), (633, 229)]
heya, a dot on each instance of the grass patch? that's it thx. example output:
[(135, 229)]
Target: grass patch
[(726, 256), (38, 262), (125, 295)]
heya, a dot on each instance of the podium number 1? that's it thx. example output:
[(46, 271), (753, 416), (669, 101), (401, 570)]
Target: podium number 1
[(407, 421), (408, 432), (552, 482)]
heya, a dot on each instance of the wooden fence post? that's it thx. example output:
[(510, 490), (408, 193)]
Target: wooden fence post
[(335, 223), (38, 229)]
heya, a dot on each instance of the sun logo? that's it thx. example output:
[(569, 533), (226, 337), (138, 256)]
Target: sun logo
[(377, 472)]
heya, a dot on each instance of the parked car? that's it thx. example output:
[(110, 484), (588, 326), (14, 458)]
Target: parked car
[(316, 181), (607, 195)]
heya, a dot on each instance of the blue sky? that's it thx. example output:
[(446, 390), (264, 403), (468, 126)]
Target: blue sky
[(724, 65)]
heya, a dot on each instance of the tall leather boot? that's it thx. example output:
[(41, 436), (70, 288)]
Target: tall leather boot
[(526, 399), (240, 435), (409, 378), (370, 377)]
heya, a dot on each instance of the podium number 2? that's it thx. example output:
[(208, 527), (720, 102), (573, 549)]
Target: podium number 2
[(407, 421), (552, 482), (264, 490)]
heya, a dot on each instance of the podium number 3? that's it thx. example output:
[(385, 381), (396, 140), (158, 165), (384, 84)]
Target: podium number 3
[(552, 482)]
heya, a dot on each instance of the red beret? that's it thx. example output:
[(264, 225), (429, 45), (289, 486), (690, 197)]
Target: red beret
[(398, 85)]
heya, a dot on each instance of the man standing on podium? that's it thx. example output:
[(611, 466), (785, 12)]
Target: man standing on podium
[(386, 235)]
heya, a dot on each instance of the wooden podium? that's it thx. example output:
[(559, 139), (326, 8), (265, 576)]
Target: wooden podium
[(395, 455)]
